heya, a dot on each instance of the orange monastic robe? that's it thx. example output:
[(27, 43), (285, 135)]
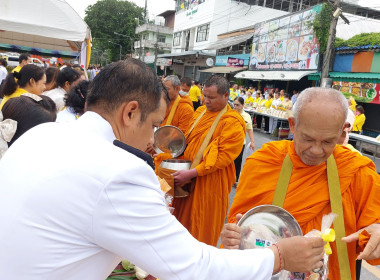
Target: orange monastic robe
[(204, 210), (183, 115), (307, 197)]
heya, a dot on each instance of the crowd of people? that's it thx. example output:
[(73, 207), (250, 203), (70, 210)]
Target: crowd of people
[(89, 195)]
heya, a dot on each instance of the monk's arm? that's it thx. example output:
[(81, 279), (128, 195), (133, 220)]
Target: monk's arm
[(224, 149), (186, 117), (367, 202)]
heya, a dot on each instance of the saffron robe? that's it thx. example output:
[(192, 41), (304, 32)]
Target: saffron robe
[(203, 212), (307, 197), (183, 115)]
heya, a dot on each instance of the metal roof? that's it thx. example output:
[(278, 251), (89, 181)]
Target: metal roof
[(349, 77), (227, 42), (223, 69)]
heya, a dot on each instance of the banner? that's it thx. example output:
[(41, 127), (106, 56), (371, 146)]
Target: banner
[(235, 62), (361, 92), (286, 43)]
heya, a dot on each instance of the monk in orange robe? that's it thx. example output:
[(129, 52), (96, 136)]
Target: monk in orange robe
[(317, 125), (203, 212), (184, 111)]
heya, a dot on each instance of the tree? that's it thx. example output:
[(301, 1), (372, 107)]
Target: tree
[(108, 16)]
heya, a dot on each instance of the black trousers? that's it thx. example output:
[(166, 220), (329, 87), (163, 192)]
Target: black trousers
[(238, 162), (196, 105), (259, 120), (266, 119)]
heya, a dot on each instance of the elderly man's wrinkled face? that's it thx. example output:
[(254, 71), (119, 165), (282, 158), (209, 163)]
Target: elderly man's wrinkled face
[(317, 132)]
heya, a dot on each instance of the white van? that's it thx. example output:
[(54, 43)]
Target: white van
[(12, 60)]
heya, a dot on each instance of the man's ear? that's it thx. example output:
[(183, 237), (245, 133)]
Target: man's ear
[(130, 111), (292, 124)]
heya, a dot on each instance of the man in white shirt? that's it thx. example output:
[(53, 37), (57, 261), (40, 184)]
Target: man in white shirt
[(83, 200), (275, 104)]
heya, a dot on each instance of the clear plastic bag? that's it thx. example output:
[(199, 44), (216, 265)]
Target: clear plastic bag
[(322, 273)]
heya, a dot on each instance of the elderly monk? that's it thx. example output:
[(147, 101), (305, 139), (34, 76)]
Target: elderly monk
[(319, 120), (180, 112), (204, 210)]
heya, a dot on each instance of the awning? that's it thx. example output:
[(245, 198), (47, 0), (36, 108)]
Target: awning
[(227, 42), (349, 77), (184, 54), (273, 75), (223, 69)]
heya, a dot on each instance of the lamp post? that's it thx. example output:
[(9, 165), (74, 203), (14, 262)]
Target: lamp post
[(130, 39), (119, 46)]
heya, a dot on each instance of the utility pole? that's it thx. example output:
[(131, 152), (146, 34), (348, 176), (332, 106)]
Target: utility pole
[(146, 4), (156, 50), (329, 53)]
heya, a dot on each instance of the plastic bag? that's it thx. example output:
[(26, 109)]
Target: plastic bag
[(248, 150), (327, 235)]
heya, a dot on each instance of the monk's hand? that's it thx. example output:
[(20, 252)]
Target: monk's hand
[(372, 248), (231, 234), (300, 254), (183, 176)]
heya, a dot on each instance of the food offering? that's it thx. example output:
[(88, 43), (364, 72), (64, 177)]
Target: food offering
[(292, 49), (271, 51), (281, 51)]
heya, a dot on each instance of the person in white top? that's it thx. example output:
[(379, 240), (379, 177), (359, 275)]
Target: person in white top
[(73, 204), (3, 70), (275, 104), (66, 79), (75, 102)]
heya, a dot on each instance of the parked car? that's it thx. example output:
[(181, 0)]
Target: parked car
[(37, 62), (12, 60)]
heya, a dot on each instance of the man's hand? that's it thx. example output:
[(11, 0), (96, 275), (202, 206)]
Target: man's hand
[(183, 176), (372, 249), (150, 150), (300, 254), (252, 146), (231, 234)]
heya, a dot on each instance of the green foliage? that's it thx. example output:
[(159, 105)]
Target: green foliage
[(321, 25), (108, 16), (362, 39)]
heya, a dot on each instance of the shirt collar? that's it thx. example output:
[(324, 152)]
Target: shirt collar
[(95, 122)]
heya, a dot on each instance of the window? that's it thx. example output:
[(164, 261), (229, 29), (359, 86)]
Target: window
[(202, 33), (161, 39), (177, 39)]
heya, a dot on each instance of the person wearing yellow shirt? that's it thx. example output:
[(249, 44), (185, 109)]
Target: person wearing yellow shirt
[(234, 92), (195, 94), (282, 95), (23, 60), (359, 119), (249, 100), (352, 104), (31, 78), (268, 104)]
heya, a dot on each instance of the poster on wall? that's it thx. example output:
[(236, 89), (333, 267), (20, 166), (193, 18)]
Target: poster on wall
[(235, 62), (361, 92), (286, 43)]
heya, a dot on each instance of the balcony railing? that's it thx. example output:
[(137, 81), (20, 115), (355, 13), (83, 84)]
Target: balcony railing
[(152, 44), (154, 28)]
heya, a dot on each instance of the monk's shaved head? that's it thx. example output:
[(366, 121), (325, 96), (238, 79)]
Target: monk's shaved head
[(319, 119), (320, 98)]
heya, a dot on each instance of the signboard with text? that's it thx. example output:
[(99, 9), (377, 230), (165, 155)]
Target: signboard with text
[(286, 43), (235, 62)]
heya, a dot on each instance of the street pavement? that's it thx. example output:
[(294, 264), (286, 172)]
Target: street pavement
[(368, 272)]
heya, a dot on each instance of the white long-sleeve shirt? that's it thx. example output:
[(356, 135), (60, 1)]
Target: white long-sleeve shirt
[(72, 205)]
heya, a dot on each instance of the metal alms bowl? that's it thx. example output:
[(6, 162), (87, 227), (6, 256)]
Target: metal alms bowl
[(176, 164), (267, 224), (169, 139)]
